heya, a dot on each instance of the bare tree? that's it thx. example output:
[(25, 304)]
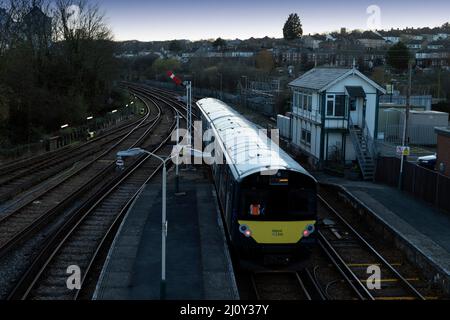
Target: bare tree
[(25, 21), (77, 20)]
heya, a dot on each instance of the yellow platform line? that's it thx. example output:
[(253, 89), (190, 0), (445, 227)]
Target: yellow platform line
[(370, 264), (390, 280), (403, 298)]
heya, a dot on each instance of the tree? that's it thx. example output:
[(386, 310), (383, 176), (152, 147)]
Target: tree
[(175, 46), (219, 43), (398, 57), (161, 66), (264, 61), (292, 28), (45, 83)]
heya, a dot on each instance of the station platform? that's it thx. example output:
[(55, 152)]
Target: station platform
[(422, 230), (198, 264)]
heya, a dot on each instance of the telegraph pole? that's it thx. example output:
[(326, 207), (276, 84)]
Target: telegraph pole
[(405, 126)]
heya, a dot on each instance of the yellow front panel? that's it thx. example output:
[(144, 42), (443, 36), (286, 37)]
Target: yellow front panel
[(277, 232)]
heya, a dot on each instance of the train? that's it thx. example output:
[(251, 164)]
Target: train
[(268, 201)]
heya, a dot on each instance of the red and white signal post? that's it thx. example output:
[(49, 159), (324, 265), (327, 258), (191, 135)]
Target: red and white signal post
[(188, 86)]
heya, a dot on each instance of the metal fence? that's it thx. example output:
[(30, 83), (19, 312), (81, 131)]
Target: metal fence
[(67, 136), (416, 101), (417, 135), (427, 185)]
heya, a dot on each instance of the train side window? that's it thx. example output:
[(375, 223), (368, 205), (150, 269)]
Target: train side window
[(229, 201), (224, 184)]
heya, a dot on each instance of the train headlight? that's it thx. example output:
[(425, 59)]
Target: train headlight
[(308, 230), (245, 230)]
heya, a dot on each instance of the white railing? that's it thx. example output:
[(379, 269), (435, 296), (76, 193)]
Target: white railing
[(313, 115)]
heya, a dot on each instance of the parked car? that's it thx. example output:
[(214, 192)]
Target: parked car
[(428, 162)]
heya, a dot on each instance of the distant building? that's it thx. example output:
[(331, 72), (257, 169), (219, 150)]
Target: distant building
[(436, 45), (433, 59), (313, 41), (414, 44), (441, 36), (37, 27), (443, 150), (390, 37), (334, 116), (370, 39)]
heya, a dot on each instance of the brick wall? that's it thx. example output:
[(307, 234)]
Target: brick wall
[(443, 152)]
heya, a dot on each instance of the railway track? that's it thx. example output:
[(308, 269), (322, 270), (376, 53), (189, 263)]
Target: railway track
[(285, 286), (351, 254), (80, 240), (23, 219), (19, 177), (167, 96)]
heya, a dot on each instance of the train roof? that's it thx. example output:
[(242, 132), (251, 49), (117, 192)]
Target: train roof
[(245, 150)]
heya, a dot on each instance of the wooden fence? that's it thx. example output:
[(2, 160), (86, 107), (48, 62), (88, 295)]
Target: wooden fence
[(424, 184)]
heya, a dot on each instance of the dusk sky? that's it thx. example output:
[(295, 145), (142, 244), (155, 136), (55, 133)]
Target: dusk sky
[(148, 20)]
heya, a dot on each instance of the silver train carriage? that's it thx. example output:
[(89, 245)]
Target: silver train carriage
[(268, 200)]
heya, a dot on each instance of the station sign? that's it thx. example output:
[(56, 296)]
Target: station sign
[(403, 151)]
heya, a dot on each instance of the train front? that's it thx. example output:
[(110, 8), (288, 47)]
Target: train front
[(275, 219)]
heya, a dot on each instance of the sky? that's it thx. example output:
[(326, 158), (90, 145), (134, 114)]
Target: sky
[(150, 20)]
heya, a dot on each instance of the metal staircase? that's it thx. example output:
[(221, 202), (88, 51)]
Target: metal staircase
[(365, 150)]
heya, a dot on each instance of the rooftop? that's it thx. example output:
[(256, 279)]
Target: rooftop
[(318, 78), (444, 131)]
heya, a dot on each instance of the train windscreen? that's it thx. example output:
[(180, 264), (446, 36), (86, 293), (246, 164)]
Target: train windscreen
[(277, 199)]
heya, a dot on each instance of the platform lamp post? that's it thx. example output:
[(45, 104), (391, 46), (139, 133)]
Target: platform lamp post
[(177, 178), (136, 152), (63, 127)]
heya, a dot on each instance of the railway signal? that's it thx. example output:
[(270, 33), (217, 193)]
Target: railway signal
[(188, 86), (175, 79)]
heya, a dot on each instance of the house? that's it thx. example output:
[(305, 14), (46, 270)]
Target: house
[(334, 116), (36, 27), (443, 150), (433, 58), (390, 37), (292, 56), (436, 45), (370, 39), (414, 44), (441, 36), (419, 37), (312, 42), (330, 37)]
